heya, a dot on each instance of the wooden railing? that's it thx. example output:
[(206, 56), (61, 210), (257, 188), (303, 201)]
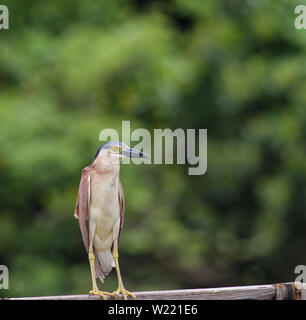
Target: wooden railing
[(281, 291)]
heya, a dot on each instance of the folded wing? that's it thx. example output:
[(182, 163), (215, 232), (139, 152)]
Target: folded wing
[(82, 214)]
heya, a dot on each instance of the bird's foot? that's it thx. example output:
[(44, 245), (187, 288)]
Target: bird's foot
[(102, 294), (124, 293)]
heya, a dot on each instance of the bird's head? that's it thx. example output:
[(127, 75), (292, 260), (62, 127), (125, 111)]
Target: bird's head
[(114, 151)]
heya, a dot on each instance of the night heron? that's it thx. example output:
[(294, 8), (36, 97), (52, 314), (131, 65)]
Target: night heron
[(100, 211)]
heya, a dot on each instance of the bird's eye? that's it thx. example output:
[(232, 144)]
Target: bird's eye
[(115, 148)]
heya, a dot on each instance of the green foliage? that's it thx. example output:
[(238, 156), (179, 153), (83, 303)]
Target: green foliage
[(70, 69)]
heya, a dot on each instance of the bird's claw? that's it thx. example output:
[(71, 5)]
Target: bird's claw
[(124, 293), (102, 294)]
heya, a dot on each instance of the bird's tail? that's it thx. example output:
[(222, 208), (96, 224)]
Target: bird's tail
[(98, 270), (105, 263)]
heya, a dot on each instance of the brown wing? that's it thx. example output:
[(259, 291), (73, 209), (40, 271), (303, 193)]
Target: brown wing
[(82, 206), (82, 214), (122, 208)]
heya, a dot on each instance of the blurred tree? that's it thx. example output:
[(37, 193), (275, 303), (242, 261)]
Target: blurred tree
[(70, 69)]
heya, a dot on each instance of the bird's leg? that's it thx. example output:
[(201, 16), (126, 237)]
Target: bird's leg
[(121, 290), (95, 290)]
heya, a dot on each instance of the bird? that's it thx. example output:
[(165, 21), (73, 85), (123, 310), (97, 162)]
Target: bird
[(100, 210)]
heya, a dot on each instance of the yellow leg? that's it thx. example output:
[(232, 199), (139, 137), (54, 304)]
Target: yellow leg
[(95, 290), (121, 290)]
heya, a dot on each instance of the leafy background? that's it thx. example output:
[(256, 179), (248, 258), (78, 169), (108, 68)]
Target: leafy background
[(69, 69)]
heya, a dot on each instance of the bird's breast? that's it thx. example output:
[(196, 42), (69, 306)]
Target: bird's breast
[(104, 210)]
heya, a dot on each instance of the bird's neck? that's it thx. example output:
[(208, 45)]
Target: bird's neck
[(104, 166)]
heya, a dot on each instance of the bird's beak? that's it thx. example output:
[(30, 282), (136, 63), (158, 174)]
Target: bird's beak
[(133, 153)]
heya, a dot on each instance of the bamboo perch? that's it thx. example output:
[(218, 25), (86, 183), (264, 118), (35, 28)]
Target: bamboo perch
[(282, 291)]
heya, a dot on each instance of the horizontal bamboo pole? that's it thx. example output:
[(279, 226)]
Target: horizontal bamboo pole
[(282, 291)]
